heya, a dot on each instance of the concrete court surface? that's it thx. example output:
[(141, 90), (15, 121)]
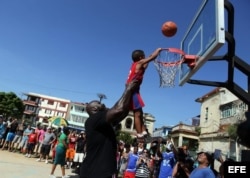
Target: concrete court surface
[(15, 165)]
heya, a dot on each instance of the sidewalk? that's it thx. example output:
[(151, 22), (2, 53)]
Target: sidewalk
[(15, 165)]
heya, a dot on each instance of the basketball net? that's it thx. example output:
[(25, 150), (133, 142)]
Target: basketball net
[(168, 63)]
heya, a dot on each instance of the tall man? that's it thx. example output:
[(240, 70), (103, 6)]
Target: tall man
[(101, 142)]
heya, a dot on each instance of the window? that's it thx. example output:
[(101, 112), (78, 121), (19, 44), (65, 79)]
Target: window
[(60, 114), (206, 113), (227, 111), (31, 108), (79, 109), (32, 98), (50, 102), (242, 106), (47, 111), (128, 123), (63, 105), (78, 119)]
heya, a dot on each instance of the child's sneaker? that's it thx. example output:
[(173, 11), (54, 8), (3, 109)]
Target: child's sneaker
[(140, 138), (26, 155)]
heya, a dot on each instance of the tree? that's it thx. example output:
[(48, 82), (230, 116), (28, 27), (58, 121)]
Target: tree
[(11, 105), (125, 137), (232, 131), (198, 130)]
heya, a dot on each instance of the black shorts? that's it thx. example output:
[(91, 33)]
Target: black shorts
[(31, 146), (45, 149)]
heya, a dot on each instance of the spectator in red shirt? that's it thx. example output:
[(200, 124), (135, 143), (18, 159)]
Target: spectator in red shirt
[(31, 143)]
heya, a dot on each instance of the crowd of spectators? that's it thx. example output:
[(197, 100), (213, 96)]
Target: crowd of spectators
[(158, 159), (40, 142), (161, 159)]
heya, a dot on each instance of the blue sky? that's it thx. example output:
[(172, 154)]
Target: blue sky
[(75, 49)]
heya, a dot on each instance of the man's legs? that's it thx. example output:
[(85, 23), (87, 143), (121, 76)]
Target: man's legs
[(47, 151), (37, 147), (18, 143), (15, 141), (4, 144), (8, 140), (42, 152)]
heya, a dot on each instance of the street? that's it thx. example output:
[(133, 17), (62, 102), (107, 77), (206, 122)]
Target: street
[(15, 165)]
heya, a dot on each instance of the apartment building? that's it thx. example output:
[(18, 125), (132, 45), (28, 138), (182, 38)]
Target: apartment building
[(220, 109), (77, 115), (38, 107)]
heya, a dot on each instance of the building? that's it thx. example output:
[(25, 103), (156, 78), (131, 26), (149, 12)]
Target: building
[(220, 110), (38, 107), (184, 134), (127, 125), (162, 132), (77, 115), (181, 134)]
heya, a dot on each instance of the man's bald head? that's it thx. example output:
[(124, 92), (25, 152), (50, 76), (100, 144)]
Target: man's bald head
[(94, 107)]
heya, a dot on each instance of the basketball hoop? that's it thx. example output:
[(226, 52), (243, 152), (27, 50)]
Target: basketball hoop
[(168, 63)]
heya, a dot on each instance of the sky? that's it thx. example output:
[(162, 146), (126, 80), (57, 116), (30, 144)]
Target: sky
[(76, 49)]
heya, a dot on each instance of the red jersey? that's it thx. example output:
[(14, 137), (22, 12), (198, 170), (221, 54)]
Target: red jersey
[(32, 138), (136, 101), (133, 75)]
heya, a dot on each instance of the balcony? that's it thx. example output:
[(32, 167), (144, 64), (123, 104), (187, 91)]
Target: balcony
[(29, 102), (29, 112)]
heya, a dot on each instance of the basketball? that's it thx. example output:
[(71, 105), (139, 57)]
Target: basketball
[(169, 29)]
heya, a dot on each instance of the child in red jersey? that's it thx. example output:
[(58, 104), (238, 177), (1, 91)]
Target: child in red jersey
[(138, 67), (31, 143)]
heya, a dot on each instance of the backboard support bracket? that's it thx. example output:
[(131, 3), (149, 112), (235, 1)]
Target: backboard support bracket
[(233, 62)]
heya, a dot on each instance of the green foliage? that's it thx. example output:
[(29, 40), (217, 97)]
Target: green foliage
[(232, 131), (11, 105), (125, 137), (198, 130)]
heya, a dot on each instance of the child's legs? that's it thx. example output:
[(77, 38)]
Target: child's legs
[(138, 119), (137, 105), (30, 148)]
